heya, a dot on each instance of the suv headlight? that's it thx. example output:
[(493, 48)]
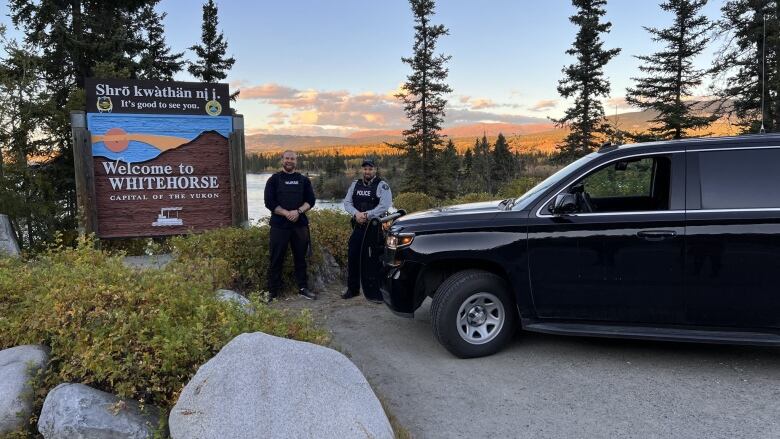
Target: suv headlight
[(396, 241)]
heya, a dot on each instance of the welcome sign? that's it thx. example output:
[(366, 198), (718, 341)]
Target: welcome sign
[(160, 155)]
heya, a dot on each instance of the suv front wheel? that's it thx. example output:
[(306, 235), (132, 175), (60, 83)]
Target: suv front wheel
[(473, 314)]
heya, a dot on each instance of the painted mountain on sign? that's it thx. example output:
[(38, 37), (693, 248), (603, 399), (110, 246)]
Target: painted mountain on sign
[(141, 137)]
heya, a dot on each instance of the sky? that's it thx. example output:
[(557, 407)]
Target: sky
[(331, 67)]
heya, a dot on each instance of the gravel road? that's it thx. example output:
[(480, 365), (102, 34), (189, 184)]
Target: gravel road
[(545, 386)]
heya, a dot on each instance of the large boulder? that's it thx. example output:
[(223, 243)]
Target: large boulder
[(8, 244), (264, 386), (76, 411), (17, 368)]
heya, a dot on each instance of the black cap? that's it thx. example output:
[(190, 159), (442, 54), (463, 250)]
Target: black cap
[(368, 162)]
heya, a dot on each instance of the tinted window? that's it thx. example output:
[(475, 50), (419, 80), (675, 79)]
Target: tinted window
[(636, 184), (740, 179), (623, 179)]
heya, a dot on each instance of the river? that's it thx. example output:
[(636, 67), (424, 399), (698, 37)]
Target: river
[(255, 187)]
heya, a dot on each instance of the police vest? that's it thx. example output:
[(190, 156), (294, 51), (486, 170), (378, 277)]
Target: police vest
[(289, 190), (364, 197)]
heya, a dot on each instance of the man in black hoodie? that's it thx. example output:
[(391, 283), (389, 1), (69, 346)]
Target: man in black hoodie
[(288, 195)]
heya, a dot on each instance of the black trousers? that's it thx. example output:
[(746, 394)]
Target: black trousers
[(363, 269), (353, 258), (298, 239)]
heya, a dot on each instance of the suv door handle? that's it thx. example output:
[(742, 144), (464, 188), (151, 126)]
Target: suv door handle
[(656, 235)]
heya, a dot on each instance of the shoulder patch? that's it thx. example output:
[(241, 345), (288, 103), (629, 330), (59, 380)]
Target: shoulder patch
[(385, 186)]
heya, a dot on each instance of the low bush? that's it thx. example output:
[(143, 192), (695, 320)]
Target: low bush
[(245, 251), (137, 334), (330, 230), (414, 201)]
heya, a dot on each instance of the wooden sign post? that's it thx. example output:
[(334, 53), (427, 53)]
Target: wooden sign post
[(158, 158)]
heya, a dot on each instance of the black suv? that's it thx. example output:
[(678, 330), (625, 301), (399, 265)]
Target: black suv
[(674, 240)]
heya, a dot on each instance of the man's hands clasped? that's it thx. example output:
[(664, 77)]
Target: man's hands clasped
[(361, 217)]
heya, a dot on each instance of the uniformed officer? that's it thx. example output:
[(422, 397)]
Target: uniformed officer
[(367, 198), (288, 195)]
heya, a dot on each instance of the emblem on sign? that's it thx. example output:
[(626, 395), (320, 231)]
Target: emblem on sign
[(213, 108), (104, 104)]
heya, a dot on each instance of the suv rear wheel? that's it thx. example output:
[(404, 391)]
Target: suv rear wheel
[(473, 314)]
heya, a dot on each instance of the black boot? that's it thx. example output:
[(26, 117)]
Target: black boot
[(348, 294), (304, 292)]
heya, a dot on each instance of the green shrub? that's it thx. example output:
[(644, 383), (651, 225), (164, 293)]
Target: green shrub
[(136, 246), (330, 230), (517, 187), (474, 197), (137, 334), (245, 251), (414, 201)]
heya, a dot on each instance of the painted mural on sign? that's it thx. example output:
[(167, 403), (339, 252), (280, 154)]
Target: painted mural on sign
[(160, 174)]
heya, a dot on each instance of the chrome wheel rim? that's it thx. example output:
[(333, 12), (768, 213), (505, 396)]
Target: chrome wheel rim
[(480, 318)]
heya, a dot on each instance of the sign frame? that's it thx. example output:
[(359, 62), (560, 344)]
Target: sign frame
[(85, 162)]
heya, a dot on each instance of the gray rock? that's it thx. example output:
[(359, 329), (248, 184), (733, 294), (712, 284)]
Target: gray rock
[(326, 273), (262, 386), (76, 411), (8, 244), (17, 366), (238, 299)]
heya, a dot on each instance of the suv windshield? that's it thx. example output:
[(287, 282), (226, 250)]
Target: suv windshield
[(528, 197)]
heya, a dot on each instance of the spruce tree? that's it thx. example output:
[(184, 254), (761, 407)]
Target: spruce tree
[(483, 166), (423, 98), (211, 64), (503, 162), (585, 82), (737, 68), (72, 40), (156, 60), (669, 74), (449, 167), (467, 174)]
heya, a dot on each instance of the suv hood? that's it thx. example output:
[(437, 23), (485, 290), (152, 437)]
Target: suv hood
[(450, 215)]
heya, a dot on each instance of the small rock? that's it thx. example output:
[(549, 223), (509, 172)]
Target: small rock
[(238, 299), (264, 386), (76, 411), (17, 367)]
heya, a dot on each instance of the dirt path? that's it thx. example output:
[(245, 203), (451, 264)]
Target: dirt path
[(545, 386)]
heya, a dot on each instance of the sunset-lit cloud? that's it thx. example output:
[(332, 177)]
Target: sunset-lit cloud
[(480, 104), (267, 91), (544, 105), (339, 112)]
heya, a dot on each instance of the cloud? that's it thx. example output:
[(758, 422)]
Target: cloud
[(544, 105), (458, 116), (339, 112), (267, 91), (480, 104)]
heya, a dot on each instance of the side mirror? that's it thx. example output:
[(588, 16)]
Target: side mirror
[(564, 204)]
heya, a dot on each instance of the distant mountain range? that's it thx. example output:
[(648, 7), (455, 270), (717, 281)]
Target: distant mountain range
[(523, 137)]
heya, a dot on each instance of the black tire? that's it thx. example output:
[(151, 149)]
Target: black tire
[(482, 287)]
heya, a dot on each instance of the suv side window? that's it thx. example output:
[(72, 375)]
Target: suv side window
[(630, 185), (740, 179)]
